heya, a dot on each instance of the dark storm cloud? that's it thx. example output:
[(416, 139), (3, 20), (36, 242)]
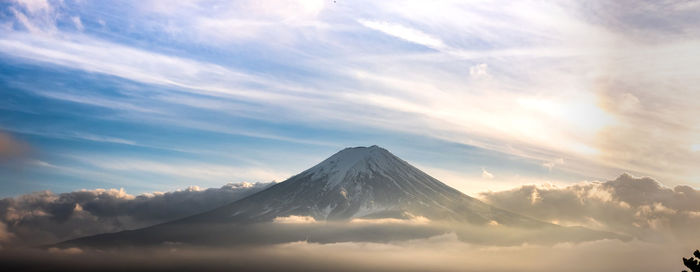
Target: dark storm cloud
[(45, 217), (641, 207)]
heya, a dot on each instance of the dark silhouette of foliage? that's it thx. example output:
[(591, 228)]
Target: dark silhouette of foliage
[(692, 263)]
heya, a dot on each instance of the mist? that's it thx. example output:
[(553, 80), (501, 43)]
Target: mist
[(444, 252)]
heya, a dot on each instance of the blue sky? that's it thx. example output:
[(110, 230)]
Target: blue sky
[(156, 95)]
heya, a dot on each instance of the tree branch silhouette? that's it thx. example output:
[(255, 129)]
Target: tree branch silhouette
[(692, 263)]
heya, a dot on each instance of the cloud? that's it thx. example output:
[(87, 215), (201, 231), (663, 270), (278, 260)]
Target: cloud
[(416, 220), (236, 22), (35, 6), (406, 219), (37, 16), (78, 23), (65, 251), (640, 207), (126, 62), (551, 164), (45, 217), (570, 63), (184, 169), (443, 252), (479, 70), (5, 235), (404, 33), (485, 174), (294, 219)]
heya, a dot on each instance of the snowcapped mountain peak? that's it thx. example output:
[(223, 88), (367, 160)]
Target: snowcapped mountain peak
[(354, 154), (353, 161), (360, 182)]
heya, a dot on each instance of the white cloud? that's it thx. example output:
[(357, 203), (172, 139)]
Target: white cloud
[(25, 21), (479, 70), (186, 169), (102, 138), (409, 220), (404, 33), (447, 253), (485, 174), (233, 22), (35, 6), (439, 253), (78, 23), (640, 207), (551, 164), (294, 219), (37, 16), (567, 86), (288, 10), (122, 61)]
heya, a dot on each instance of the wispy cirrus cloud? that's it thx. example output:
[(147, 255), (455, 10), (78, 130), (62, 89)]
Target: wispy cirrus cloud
[(405, 33), (539, 81)]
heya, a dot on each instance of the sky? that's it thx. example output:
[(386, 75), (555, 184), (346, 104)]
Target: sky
[(483, 95)]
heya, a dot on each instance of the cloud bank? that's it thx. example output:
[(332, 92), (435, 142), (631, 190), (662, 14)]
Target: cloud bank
[(438, 253), (637, 206), (44, 217), (657, 216)]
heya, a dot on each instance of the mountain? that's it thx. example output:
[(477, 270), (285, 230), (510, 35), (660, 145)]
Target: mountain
[(366, 183), (362, 182)]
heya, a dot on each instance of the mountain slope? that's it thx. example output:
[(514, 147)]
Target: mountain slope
[(363, 182)]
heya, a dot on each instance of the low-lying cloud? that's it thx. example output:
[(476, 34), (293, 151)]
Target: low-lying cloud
[(445, 252), (658, 217), (294, 219), (46, 217), (411, 220), (637, 206), (640, 208)]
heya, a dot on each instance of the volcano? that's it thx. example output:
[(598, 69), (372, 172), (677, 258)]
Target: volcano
[(356, 184), (362, 182)]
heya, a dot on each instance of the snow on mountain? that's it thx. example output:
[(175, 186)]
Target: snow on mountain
[(350, 162), (362, 182)]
